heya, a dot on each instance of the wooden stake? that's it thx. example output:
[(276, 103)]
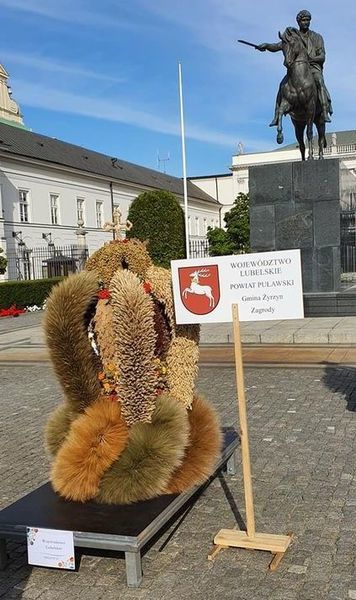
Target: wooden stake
[(241, 404), (277, 544)]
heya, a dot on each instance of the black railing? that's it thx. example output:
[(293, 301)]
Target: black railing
[(198, 248), (39, 263), (348, 241)]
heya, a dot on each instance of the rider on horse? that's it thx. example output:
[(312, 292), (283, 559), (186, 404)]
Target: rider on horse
[(314, 45)]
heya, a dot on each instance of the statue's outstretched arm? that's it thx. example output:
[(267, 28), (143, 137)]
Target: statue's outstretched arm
[(270, 47)]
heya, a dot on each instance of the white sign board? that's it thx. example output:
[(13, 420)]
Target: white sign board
[(50, 548), (266, 286)]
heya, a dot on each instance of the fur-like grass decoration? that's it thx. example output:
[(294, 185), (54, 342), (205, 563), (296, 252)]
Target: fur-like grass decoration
[(74, 361), (153, 452), (119, 254), (202, 453), (105, 332), (133, 315), (58, 426), (95, 440)]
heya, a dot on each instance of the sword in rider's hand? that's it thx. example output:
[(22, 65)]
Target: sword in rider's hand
[(255, 46)]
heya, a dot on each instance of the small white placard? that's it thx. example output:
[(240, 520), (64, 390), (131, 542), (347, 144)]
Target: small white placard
[(50, 548), (265, 285)]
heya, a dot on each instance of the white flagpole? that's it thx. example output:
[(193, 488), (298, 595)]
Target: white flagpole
[(183, 161)]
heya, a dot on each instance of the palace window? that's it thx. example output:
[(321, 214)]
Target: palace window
[(80, 210), (54, 202), (99, 215), (24, 205)]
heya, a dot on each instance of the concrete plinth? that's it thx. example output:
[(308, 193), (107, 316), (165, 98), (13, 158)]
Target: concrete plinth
[(297, 205)]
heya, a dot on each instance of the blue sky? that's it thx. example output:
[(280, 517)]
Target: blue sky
[(104, 75)]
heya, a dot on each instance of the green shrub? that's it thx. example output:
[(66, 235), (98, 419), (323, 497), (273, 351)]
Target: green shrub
[(25, 293), (158, 218)]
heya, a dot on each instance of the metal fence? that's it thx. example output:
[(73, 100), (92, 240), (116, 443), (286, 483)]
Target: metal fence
[(39, 263), (198, 248), (348, 241), (54, 261)]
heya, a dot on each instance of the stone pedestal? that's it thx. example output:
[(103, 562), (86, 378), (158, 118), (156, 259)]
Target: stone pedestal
[(297, 205)]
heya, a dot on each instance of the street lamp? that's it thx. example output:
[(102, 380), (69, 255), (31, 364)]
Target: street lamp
[(18, 237)]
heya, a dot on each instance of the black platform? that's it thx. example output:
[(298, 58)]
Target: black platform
[(125, 528)]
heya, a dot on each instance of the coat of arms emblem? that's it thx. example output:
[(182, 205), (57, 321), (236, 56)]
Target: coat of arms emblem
[(199, 288)]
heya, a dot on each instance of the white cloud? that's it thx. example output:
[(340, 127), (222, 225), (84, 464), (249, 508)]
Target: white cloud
[(111, 110), (69, 12), (41, 63), (230, 86)]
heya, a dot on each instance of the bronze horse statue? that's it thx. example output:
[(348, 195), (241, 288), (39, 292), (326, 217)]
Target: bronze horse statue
[(299, 95)]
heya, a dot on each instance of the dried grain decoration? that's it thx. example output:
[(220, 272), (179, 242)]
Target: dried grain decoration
[(162, 329), (73, 358), (202, 453), (133, 316), (57, 427), (105, 332), (182, 368), (161, 282), (119, 254), (183, 354), (153, 452), (95, 440)]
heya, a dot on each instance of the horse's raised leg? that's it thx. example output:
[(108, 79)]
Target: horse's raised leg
[(284, 109), (280, 136)]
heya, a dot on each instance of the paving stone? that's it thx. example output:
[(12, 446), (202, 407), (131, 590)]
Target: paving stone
[(307, 486), (297, 569)]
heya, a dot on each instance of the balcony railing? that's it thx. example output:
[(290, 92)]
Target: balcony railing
[(346, 149)]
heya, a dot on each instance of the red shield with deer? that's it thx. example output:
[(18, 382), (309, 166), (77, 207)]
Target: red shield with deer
[(199, 288)]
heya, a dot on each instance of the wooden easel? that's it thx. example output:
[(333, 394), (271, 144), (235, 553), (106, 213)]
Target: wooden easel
[(277, 544)]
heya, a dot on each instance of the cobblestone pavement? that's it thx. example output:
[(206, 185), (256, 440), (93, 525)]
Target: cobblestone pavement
[(303, 447)]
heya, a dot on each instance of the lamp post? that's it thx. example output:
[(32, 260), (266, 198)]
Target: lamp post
[(48, 238), (24, 255)]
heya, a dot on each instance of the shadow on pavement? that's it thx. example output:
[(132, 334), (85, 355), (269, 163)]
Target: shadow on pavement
[(234, 509), (342, 379)]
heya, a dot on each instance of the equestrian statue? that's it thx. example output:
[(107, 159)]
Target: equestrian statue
[(302, 93)]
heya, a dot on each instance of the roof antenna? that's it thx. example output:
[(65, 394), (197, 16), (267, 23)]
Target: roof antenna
[(162, 161)]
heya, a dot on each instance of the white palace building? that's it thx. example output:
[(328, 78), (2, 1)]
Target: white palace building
[(54, 194)]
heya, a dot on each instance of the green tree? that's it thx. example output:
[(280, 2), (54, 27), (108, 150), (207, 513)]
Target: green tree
[(158, 217), (3, 263), (219, 242), (236, 238)]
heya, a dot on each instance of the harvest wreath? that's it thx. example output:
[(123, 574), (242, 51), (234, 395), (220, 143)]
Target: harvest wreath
[(131, 426)]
